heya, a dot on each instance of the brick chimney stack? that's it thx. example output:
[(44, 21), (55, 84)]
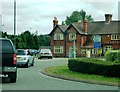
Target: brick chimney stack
[(55, 22), (85, 26), (108, 18)]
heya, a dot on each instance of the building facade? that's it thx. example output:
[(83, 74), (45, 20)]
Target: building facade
[(85, 37)]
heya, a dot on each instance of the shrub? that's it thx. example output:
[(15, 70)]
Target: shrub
[(113, 55), (94, 66)]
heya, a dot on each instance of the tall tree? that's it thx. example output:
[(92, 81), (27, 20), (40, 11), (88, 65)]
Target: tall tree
[(77, 16)]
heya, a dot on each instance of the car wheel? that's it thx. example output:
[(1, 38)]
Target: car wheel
[(27, 65), (32, 63)]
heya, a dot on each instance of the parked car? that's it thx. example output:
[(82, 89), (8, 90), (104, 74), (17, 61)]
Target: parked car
[(45, 53), (8, 59), (24, 58)]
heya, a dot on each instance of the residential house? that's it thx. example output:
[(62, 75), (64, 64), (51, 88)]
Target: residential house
[(62, 37)]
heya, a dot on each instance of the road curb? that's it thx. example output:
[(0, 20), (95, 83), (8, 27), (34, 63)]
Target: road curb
[(76, 80)]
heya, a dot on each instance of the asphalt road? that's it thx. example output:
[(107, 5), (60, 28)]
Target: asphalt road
[(32, 79)]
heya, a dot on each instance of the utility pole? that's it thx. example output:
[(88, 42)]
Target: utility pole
[(74, 49), (14, 22), (0, 26)]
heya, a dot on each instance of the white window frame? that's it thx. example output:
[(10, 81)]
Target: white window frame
[(107, 48), (72, 36), (83, 51), (58, 36), (92, 51), (115, 37), (58, 49)]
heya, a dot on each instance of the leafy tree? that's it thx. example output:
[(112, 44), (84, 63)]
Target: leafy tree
[(27, 40), (77, 16)]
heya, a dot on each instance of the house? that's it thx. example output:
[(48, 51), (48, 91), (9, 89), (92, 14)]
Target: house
[(83, 34), (58, 39)]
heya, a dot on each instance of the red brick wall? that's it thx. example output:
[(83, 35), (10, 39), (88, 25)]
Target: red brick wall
[(69, 43), (57, 43)]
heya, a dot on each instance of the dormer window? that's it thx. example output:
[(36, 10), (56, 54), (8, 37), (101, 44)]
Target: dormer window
[(115, 37), (58, 36), (72, 36)]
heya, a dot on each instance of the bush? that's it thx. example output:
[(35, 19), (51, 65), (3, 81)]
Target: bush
[(113, 55), (94, 66)]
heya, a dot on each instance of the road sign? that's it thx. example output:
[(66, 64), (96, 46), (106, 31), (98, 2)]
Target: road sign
[(97, 45), (96, 38)]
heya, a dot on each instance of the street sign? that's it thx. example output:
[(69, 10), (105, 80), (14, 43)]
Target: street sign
[(96, 38), (97, 45)]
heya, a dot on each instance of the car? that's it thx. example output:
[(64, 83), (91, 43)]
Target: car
[(24, 58), (45, 53), (8, 59)]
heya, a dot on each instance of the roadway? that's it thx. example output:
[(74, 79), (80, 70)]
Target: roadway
[(32, 79)]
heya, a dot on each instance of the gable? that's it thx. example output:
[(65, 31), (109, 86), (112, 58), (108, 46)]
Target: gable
[(57, 30), (75, 28), (72, 30)]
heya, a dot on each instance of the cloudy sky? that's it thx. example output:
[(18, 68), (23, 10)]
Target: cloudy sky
[(38, 15)]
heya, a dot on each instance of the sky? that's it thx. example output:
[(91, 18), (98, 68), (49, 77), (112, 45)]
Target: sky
[(38, 15)]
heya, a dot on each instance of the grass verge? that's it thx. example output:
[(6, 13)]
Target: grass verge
[(64, 73)]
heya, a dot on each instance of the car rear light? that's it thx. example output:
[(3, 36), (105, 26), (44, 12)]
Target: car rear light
[(14, 59)]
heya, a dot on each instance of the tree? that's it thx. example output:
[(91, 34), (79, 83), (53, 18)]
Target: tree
[(27, 40), (77, 16)]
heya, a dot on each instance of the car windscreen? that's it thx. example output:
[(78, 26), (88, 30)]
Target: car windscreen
[(6, 46), (21, 52)]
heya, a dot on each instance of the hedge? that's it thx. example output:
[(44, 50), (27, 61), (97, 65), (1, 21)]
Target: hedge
[(113, 55), (94, 66)]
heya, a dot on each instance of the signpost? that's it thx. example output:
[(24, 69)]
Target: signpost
[(97, 43)]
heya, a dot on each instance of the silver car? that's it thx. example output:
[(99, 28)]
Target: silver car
[(24, 58), (45, 53)]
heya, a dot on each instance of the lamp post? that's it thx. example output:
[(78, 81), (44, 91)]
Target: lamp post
[(74, 47), (74, 50), (14, 22)]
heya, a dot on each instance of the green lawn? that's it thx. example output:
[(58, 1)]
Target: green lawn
[(64, 72)]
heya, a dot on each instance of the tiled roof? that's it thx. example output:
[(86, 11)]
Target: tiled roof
[(63, 27), (101, 27), (97, 27), (78, 27)]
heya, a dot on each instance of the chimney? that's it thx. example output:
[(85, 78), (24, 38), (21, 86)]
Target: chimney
[(108, 18), (85, 26), (55, 22)]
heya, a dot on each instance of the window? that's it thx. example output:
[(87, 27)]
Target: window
[(72, 36), (58, 49), (92, 51), (58, 36), (83, 51), (107, 48), (115, 37)]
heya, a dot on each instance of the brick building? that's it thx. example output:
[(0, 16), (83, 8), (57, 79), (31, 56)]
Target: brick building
[(62, 37)]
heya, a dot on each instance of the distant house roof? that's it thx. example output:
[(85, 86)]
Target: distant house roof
[(97, 27), (101, 27), (78, 27), (61, 27)]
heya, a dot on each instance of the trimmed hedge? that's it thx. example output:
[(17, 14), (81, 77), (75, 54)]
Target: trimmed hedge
[(94, 66), (113, 55)]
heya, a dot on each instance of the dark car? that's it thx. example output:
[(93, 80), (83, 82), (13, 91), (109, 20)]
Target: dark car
[(8, 59)]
